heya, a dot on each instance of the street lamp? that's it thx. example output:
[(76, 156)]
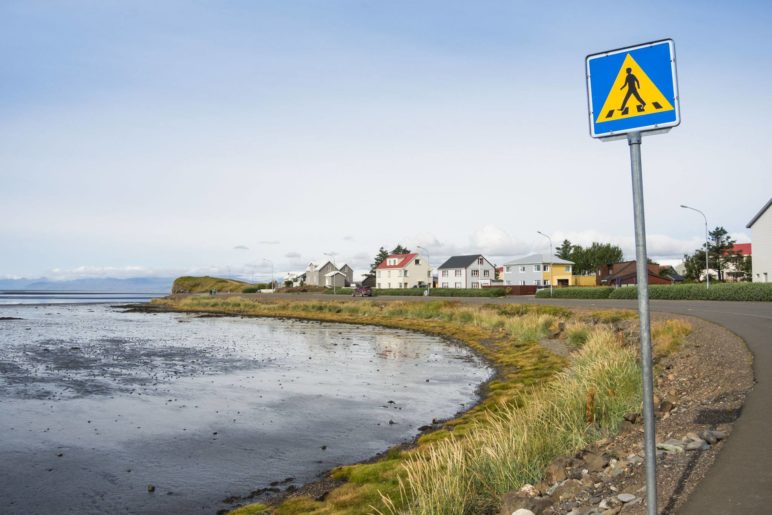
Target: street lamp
[(428, 262), (332, 256), (707, 245), (550, 240)]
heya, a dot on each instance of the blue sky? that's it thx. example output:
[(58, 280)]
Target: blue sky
[(147, 138)]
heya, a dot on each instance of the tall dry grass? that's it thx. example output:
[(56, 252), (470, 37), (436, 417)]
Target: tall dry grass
[(514, 445)]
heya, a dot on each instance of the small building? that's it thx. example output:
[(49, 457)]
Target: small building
[(624, 274), (761, 235), (348, 272), (403, 271), (733, 272), (335, 279), (472, 271), (539, 270)]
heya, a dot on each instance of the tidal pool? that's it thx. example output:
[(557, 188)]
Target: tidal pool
[(96, 404)]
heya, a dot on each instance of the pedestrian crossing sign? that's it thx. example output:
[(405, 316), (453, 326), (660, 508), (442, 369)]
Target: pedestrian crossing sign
[(633, 89)]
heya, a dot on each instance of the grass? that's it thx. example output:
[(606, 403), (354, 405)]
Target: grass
[(600, 292), (668, 336), (513, 446), (443, 292), (189, 284), (538, 405)]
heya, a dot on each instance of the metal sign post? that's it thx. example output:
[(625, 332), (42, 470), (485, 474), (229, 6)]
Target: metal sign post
[(642, 270), (632, 91)]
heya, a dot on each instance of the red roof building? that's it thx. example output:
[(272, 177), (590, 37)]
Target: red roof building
[(744, 248), (403, 271)]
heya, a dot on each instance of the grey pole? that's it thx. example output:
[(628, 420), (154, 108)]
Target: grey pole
[(641, 265), (551, 256), (707, 245)]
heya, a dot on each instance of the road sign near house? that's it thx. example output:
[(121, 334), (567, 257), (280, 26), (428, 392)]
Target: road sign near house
[(633, 89)]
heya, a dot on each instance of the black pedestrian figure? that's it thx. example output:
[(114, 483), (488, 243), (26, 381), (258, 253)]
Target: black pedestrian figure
[(632, 85)]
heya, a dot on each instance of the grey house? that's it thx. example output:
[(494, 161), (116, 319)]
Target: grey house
[(315, 275), (537, 269), (472, 271)]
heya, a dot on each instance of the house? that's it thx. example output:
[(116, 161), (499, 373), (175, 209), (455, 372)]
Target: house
[(761, 234), (733, 272), (368, 280), (335, 279), (296, 278), (625, 273), (348, 272), (539, 270), (315, 276), (472, 271), (402, 271)]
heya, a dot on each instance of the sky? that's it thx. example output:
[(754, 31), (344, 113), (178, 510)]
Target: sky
[(235, 137)]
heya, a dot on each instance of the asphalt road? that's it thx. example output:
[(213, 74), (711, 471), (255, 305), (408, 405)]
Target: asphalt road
[(740, 481)]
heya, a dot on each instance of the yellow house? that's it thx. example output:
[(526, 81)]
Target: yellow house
[(558, 272)]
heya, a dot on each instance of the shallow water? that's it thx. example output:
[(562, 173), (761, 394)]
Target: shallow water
[(97, 404)]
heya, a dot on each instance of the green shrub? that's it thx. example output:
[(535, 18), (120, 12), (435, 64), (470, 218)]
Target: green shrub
[(338, 291), (721, 291), (251, 289), (600, 292)]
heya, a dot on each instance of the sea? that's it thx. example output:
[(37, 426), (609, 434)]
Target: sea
[(107, 410)]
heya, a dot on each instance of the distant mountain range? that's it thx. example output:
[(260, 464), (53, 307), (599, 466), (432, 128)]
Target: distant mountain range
[(93, 284)]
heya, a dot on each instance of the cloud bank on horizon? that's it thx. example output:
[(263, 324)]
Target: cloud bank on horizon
[(170, 138)]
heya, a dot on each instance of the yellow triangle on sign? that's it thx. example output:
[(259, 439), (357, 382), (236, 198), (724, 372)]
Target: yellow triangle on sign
[(633, 94)]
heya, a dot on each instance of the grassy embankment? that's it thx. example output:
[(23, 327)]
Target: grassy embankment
[(189, 284), (539, 406)]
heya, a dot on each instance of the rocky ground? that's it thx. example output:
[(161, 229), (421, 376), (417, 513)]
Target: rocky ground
[(700, 391)]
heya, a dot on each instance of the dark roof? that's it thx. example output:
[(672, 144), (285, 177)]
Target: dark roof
[(461, 261), (758, 215)]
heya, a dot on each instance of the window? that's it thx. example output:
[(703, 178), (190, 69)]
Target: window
[(475, 285), (509, 269), (458, 285), (537, 268), (546, 268), (537, 282), (417, 261), (475, 273), (480, 260), (522, 283), (405, 274), (444, 285), (444, 273), (458, 273), (486, 273), (546, 282), (522, 269), (568, 268)]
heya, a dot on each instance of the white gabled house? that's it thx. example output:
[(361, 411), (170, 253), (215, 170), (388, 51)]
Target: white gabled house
[(761, 235), (403, 271), (472, 271)]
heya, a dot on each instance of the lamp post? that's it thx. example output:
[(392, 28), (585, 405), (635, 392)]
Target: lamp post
[(550, 240), (428, 263), (707, 245), (332, 256)]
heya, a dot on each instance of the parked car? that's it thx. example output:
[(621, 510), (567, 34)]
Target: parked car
[(362, 291)]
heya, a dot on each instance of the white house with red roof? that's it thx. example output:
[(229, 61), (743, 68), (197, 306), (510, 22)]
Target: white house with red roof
[(403, 271)]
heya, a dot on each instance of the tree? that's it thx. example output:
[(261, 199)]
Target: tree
[(564, 250), (720, 247), (379, 257), (399, 249), (694, 264), (588, 260)]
